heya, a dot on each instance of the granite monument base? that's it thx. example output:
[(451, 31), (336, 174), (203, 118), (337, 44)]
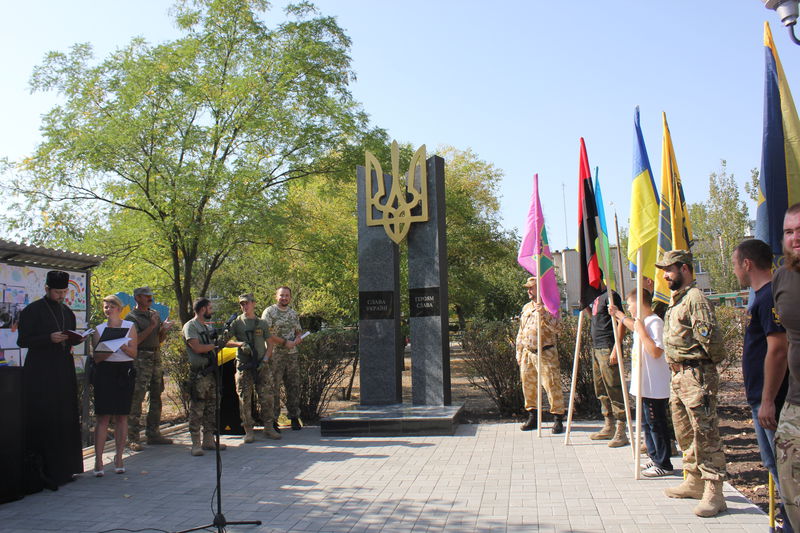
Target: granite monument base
[(392, 420)]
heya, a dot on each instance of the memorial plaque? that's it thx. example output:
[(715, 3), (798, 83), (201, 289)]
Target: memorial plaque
[(375, 305), (423, 301)]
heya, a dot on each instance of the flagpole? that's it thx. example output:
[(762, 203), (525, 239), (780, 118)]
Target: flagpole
[(574, 376), (539, 342), (617, 343), (619, 255), (639, 355)]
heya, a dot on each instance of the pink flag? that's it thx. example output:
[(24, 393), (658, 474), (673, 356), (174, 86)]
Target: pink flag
[(534, 244)]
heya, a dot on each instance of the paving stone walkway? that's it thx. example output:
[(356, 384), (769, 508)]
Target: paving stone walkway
[(488, 477)]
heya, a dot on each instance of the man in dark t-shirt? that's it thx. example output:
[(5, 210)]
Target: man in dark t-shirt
[(764, 341), (607, 385)]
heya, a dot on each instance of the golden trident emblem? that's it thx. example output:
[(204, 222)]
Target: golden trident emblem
[(396, 209)]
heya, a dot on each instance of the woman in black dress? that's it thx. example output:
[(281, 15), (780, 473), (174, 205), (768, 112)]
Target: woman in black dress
[(113, 384)]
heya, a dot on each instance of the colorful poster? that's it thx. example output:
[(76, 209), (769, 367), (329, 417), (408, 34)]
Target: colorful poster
[(21, 285)]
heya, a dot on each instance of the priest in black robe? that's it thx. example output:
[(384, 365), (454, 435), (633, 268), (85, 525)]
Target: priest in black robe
[(52, 425)]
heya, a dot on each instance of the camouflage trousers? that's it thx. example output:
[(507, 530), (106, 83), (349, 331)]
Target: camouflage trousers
[(551, 379), (607, 385), (693, 402), (202, 404), (285, 370), (255, 382), (787, 449), (150, 382)]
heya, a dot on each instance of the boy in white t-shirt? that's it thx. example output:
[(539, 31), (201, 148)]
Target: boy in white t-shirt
[(655, 381)]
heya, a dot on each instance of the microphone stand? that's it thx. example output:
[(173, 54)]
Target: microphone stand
[(220, 522)]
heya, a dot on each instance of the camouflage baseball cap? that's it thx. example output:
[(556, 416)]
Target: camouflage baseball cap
[(674, 257), (143, 291), (247, 297), (530, 283)]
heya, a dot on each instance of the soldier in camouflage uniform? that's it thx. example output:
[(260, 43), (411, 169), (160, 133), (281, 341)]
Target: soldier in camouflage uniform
[(253, 372), (692, 343), (202, 353), (527, 355), (284, 327), (786, 294), (149, 372)]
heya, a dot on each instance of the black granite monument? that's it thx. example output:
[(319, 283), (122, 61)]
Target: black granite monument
[(387, 213)]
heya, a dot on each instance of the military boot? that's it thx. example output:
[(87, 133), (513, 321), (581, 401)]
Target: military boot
[(620, 436), (135, 445), (558, 425), (197, 448), (692, 487), (606, 432), (158, 439), (208, 441), (248, 435), (713, 501), (270, 433), (530, 423)]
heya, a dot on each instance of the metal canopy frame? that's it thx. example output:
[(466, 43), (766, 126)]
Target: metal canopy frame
[(26, 254)]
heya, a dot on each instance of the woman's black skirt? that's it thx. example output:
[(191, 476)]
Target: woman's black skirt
[(113, 387)]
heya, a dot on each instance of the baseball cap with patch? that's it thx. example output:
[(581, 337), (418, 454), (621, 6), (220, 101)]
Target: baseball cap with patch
[(674, 257), (247, 297)]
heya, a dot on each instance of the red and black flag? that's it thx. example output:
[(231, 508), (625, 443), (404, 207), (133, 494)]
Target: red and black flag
[(591, 276)]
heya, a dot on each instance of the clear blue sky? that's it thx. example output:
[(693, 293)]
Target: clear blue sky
[(519, 82)]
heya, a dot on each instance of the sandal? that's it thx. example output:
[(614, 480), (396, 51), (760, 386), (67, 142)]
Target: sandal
[(98, 473), (118, 469)]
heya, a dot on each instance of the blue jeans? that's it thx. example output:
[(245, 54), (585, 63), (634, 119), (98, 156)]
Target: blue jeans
[(656, 431), (766, 447), (766, 443)]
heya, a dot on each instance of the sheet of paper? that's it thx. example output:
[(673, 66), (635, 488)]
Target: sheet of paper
[(112, 345)]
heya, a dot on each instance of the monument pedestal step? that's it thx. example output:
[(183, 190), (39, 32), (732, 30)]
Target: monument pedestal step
[(392, 420)]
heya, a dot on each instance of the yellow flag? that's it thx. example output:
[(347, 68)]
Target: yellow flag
[(674, 230)]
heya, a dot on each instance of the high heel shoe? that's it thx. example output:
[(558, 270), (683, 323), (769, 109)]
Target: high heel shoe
[(118, 469), (98, 473)]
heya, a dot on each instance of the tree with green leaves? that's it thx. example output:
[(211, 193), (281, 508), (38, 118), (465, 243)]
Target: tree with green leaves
[(719, 224), (485, 279), (177, 153), (319, 257)]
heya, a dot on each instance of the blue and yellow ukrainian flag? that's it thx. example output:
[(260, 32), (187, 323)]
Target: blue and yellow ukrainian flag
[(779, 183), (643, 231)]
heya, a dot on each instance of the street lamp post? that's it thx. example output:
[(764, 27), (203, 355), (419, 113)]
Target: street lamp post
[(787, 10)]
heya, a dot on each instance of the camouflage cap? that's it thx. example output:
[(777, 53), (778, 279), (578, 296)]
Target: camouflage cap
[(247, 297), (530, 283), (143, 291), (675, 257)]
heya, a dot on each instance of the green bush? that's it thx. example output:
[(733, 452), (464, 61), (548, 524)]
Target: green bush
[(490, 360), (491, 364), (324, 358), (732, 322), (176, 369)]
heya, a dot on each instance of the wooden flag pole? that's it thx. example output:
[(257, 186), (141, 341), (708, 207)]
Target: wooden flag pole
[(539, 342), (639, 368), (621, 369), (617, 344), (619, 257), (574, 376)]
